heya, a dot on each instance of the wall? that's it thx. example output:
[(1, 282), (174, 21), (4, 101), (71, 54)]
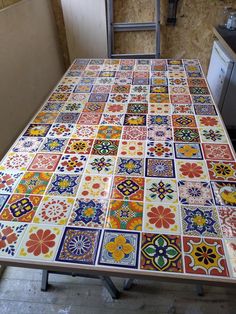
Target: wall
[(30, 63)]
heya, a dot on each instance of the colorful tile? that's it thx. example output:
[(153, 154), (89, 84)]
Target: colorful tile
[(61, 130), (130, 166), (186, 135), (83, 89), (105, 147), (94, 186), (119, 249), (195, 193), (118, 98), (115, 108), (64, 184), (75, 107), (161, 109), (10, 234), (161, 168), (40, 243), (37, 130), (125, 215), (159, 149), (139, 89), (217, 152), (162, 218), (222, 170), (20, 208), (231, 250), (188, 151), (183, 121), (128, 188), (112, 119), (159, 98), (44, 162), (27, 144), (205, 110), (54, 210), (135, 119), (138, 98), (78, 246), (9, 180), (204, 256), (53, 145), (102, 89), (72, 163), (134, 133), (208, 121), (100, 165), (227, 216), (224, 193), (89, 118), (79, 146), (52, 106), (67, 117), (85, 131), (159, 120), (200, 221), (109, 132), (178, 90), (182, 109), (45, 117), (3, 200), (88, 213), (94, 107), (193, 170), (161, 190), (213, 135), (161, 252), (132, 148), (59, 97), (159, 89), (16, 161), (33, 183), (180, 99), (159, 133)]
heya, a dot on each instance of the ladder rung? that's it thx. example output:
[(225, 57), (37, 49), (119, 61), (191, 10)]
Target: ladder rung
[(133, 27), (134, 56)]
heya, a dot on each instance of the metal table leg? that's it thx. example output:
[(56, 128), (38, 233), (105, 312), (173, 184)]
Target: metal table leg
[(108, 283), (200, 290), (44, 283), (128, 284)]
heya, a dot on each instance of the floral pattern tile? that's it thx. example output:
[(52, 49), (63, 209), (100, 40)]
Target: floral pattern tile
[(9, 180), (195, 193), (40, 242), (224, 193), (227, 217), (88, 213), (44, 162), (204, 256), (78, 246), (159, 149), (217, 151), (162, 218), (183, 121), (128, 188), (94, 186), (222, 170), (20, 208), (16, 161), (191, 170), (109, 132), (112, 119), (64, 185), (89, 118), (188, 151), (10, 237), (85, 131), (54, 210), (159, 133), (100, 165), (61, 130), (213, 135), (138, 133), (37, 130), (132, 148), (181, 109), (105, 147), (119, 249), (161, 252), (56, 145), (125, 215), (79, 146), (162, 168), (200, 221), (33, 183), (72, 163), (161, 190), (28, 144), (189, 135), (130, 166)]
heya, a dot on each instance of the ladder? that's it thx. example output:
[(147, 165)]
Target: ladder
[(131, 27)]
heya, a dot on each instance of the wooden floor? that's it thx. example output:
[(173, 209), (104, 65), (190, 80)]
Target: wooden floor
[(20, 293)]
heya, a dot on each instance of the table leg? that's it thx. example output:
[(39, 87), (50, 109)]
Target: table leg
[(108, 283), (44, 283), (200, 290), (128, 284)]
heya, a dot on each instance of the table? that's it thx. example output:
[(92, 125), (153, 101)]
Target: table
[(126, 170)]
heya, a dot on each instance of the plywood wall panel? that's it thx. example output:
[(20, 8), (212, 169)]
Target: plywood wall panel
[(134, 10)]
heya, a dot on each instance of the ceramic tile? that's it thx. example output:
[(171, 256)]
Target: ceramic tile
[(132, 148), (188, 151), (89, 118), (213, 135), (109, 132), (54, 210), (79, 146), (100, 165), (44, 162), (128, 188), (27, 144), (45, 117), (10, 236), (186, 135), (177, 82), (159, 149), (227, 217), (9, 180), (83, 88), (59, 97), (94, 186), (55, 144), (200, 221), (159, 133), (183, 121), (88, 213), (20, 208), (159, 89), (204, 256), (52, 106), (37, 130), (161, 109), (105, 147), (161, 168), (3, 200), (40, 242), (16, 161), (85, 131), (224, 192), (135, 119), (64, 185), (162, 218), (161, 252), (119, 249), (112, 119), (61, 130), (231, 250), (159, 120), (125, 215), (222, 170), (116, 108), (64, 88), (79, 97), (205, 110), (67, 117), (74, 107), (118, 98), (179, 90), (72, 163), (120, 88), (159, 98), (140, 89), (161, 190), (134, 133), (130, 166), (191, 170), (78, 246), (208, 121), (182, 109), (97, 107), (33, 183), (180, 99), (217, 152), (195, 193)]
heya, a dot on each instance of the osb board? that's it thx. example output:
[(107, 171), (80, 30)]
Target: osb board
[(192, 37), (6, 3), (135, 42)]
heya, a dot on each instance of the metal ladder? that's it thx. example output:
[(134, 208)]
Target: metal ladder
[(131, 27)]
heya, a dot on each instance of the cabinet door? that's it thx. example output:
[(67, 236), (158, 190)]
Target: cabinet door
[(85, 22)]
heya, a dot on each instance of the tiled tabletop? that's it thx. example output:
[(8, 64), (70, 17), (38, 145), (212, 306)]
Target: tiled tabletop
[(128, 168)]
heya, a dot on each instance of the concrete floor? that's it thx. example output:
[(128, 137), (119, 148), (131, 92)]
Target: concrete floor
[(20, 293)]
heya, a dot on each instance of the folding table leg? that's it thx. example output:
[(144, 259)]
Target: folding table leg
[(128, 284), (200, 290), (108, 283), (44, 283)]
